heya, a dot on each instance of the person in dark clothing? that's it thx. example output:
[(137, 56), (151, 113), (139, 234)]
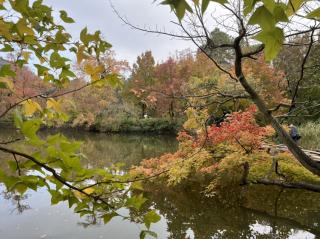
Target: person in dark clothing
[(217, 120), (211, 120), (294, 134)]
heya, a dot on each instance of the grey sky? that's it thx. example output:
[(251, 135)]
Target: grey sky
[(127, 43)]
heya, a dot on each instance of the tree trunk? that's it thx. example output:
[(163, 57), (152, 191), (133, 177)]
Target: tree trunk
[(143, 110), (298, 153), (171, 110)]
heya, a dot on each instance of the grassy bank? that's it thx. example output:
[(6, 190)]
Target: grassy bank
[(130, 125), (152, 125)]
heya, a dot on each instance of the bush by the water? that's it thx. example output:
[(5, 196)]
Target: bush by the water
[(155, 125), (310, 133), (227, 156)]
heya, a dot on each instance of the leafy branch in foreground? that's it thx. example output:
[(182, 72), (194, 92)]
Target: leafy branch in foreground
[(31, 35)]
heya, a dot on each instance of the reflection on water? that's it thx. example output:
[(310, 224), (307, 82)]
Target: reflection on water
[(286, 214), (104, 150), (265, 212)]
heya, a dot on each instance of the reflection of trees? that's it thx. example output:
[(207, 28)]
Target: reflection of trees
[(102, 150), (17, 201), (185, 209), (282, 211), (90, 220)]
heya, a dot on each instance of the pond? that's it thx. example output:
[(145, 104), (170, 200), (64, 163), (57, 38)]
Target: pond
[(267, 212)]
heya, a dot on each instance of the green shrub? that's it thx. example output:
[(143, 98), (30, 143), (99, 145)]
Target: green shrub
[(310, 133), (127, 124)]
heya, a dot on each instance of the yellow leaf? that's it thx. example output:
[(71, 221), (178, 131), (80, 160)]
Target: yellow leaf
[(82, 195), (79, 195), (5, 30), (26, 55), (7, 82), (93, 71), (89, 69), (99, 69), (43, 59), (23, 28), (89, 190), (80, 54), (53, 104), (30, 107)]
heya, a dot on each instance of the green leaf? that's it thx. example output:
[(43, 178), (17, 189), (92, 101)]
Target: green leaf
[(6, 71), (17, 119), (81, 206), (29, 128), (20, 6), (269, 4), (151, 217), (62, 38), (205, 4), (107, 217), (113, 80), (42, 70), (31, 181), (179, 6), (3, 85), (12, 165), (64, 17), (314, 14), (58, 61), (280, 14), (136, 202), (137, 186), (56, 197), (23, 28), (220, 1), (72, 162), (272, 40), (263, 18), (249, 6), (29, 39), (9, 181), (7, 48), (5, 29), (21, 188), (144, 233), (84, 36), (72, 200), (293, 6), (67, 73)]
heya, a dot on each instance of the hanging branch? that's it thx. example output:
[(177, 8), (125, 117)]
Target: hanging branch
[(302, 70)]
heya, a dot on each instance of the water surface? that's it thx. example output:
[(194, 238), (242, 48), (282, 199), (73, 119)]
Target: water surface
[(266, 212)]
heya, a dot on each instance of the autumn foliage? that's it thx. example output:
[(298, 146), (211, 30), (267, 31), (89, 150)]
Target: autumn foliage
[(204, 152), (239, 128)]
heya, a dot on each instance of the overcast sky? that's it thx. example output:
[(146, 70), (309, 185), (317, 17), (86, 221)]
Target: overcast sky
[(127, 43)]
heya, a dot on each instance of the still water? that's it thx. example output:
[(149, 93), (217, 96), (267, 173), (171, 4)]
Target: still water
[(266, 212)]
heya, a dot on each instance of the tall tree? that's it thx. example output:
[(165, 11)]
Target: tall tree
[(142, 78), (303, 92)]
